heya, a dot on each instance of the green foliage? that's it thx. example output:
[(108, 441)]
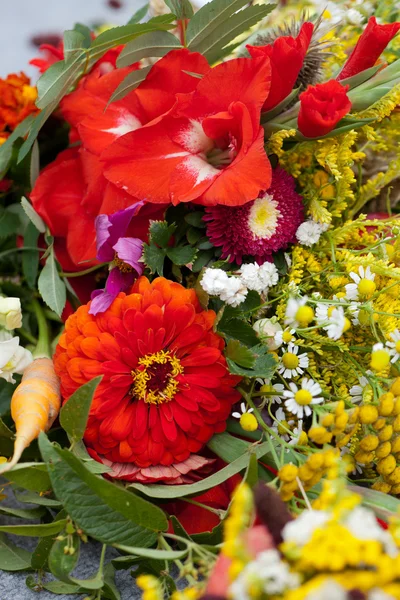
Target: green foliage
[(240, 354), (264, 364), (13, 558), (181, 8), (51, 286), (130, 83), (154, 43), (75, 412), (159, 248), (9, 222)]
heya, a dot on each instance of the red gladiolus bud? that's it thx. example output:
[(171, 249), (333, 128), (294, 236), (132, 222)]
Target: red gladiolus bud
[(369, 47), (321, 108)]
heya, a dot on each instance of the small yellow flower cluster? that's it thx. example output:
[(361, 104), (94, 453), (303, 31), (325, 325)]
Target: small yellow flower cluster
[(320, 464), (151, 586)]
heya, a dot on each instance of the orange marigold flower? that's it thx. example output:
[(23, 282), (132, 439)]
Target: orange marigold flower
[(166, 388), (17, 101)]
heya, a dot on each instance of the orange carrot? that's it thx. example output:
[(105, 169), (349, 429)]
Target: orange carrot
[(34, 405)]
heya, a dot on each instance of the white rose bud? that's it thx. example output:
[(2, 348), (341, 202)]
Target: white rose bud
[(13, 357), (10, 313), (266, 330)]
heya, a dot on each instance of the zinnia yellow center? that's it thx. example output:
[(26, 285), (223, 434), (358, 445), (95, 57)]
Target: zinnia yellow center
[(155, 378), (303, 397), (290, 360)]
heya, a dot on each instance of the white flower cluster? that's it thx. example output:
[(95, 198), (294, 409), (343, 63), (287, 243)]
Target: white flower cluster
[(13, 357), (268, 572), (233, 289), (309, 232)]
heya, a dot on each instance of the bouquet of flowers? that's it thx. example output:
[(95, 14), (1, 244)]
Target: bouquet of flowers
[(200, 255)]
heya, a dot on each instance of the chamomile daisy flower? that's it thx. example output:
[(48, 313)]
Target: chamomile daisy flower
[(284, 337), (298, 313), (380, 357), (332, 320), (394, 345), (281, 425), (300, 400), (268, 387), (247, 420), (357, 391), (292, 363), (298, 435), (364, 284)]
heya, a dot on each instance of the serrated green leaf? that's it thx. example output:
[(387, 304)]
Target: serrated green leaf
[(181, 8), (85, 32), (32, 215), (154, 257), (6, 148), (105, 511), (35, 126), (42, 530), (58, 78), (75, 412), (30, 258), (240, 354), (154, 43), (209, 18), (160, 233), (181, 255), (13, 558), (237, 329), (237, 464), (264, 365), (139, 15), (51, 286), (130, 83), (9, 222), (213, 46)]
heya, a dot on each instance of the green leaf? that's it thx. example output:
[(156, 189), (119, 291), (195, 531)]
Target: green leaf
[(73, 41), (41, 530), (156, 554), (139, 15), (161, 232), (34, 166), (208, 20), (13, 558), (85, 32), (240, 354), (9, 222), (23, 513), (251, 477), (181, 8), (213, 46), (237, 329), (51, 286), (59, 587), (75, 412), (5, 431), (79, 450), (130, 83), (6, 148), (182, 255), (32, 498), (204, 244), (105, 511), (203, 258), (110, 590), (271, 114), (383, 505), (361, 77), (264, 365), (40, 555), (58, 78), (61, 564), (178, 491), (154, 257), (35, 126), (196, 219), (30, 258), (154, 43), (30, 476), (193, 235)]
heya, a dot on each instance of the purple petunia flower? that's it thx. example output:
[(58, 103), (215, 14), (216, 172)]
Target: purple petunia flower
[(124, 254)]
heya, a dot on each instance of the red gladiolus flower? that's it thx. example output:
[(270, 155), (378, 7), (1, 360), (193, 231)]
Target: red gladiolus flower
[(369, 47), (69, 194), (287, 56), (166, 388), (322, 106), (208, 149)]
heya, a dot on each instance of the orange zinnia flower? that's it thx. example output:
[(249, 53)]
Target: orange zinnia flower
[(166, 388), (17, 101)]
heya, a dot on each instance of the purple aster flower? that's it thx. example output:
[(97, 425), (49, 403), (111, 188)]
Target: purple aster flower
[(124, 254)]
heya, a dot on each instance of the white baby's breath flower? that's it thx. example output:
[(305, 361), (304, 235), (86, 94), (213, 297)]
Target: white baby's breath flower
[(309, 232), (234, 292), (214, 281), (268, 275), (13, 357), (249, 274), (10, 313), (293, 364), (300, 400)]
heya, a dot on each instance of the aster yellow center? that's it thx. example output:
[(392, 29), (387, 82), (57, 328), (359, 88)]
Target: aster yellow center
[(263, 217), (155, 377), (303, 397), (290, 360)]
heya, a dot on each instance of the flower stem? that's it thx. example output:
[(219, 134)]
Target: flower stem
[(42, 349)]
